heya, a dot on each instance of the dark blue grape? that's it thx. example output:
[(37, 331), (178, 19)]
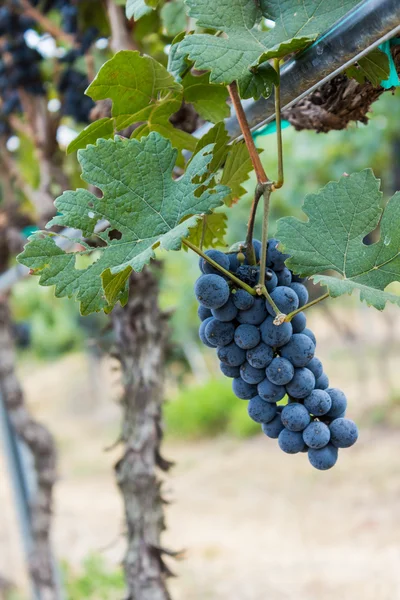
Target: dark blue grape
[(295, 417), (202, 334), (302, 383), (247, 336), (315, 366), (201, 261), (271, 280), (280, 371), (231, 355), (227, 312), (310, 334), (251, 375), (301, 291), (344, 433), (257, 248), (219, 333), (275, 335), (248, 273), (322, 382), (284, 277), (242, 389), (242, 299), (233, 262), (318, 403), (203, 313), (299, 322), (285, 299), (270, 392), (291, 442), (339, 403), (299, 350), (229, 371), (211, 291), (323, 458), (254, 315), (261, 411), (316, 435), (274, 427), (218, 257), (275, 258), (260, 356)]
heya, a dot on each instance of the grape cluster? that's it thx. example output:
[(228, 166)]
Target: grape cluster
[(270, 362)]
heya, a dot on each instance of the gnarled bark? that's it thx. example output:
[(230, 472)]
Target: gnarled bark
[(141, 332), (40, 442)]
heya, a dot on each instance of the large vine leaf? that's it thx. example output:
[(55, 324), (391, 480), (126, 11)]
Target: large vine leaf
[(142, 91), (173, 17), (339, 218), (209, 100), (229, 57), (236, 171), (144, 207)]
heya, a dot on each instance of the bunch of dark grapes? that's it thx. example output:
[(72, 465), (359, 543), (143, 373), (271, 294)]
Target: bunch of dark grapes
[(270, 362), (19, 65)]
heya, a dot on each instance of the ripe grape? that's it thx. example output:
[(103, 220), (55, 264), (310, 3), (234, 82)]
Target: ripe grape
[(242, 389), (318, 403), (302, 383), (311, 335), (212, 291), (339, 403), (280, 371), (218, 257), (285, 299), (254, 315), (203, 313), (260, 356), (275, 258), (270, 392), (295, 417), (344, 433), (291, 442), (284, 277), (275, 335), (202, 334), (274, 427), (261, 411), (316, 435), (315, 366), (323, 458), (299, 322), (271, 280), (227, 312), (219, 333), (250, 374), (242, 299), (322, 382), (231, 355), (301, 291), (229, 371), (247, 336), (299, 350)]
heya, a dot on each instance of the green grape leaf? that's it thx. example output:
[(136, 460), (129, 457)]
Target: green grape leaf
[(339, 217), (373, 68), (218, 136), (178, 63), (210, 230), (139, 8), (144, 207), (229, 57), (142, 91), (258, 82), (173, 17), (209, 100), (103, 128), (236, 171), (300, 18)]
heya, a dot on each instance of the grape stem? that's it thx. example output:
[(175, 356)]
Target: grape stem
[(212, 262), (290, 316), (266, 193), (250, 254), (278, 184)]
